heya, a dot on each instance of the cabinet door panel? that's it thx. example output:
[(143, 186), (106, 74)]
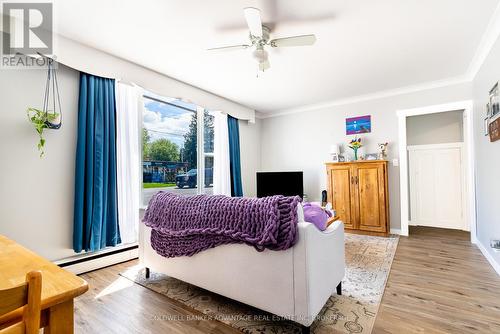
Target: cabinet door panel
[(341, 193), (371, 201)]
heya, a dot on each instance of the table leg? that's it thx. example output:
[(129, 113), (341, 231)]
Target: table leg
[(61, 319)]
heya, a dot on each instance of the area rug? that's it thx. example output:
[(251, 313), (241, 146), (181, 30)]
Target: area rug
[(368, 262)]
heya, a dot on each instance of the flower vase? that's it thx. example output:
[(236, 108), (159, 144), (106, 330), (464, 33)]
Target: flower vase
[(355, 154)]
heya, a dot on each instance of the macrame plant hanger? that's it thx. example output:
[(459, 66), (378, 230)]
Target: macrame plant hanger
[(52, 96)]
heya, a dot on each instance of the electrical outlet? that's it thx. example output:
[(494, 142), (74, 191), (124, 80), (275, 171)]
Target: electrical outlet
[(495, 244)]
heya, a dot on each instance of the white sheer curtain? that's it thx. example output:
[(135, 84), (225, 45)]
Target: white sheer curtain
[(222, 174), (128, 125)]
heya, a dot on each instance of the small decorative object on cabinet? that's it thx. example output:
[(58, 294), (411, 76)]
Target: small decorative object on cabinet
[(335, 151), (382, 147), (359, 193), (355, 145)]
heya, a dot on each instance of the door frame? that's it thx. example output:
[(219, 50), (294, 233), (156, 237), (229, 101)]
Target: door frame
[(468, 130)]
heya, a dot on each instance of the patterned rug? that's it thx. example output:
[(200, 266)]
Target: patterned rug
[(368, 262)]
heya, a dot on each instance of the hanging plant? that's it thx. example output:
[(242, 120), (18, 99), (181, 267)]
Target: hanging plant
[(50, 117), (41, 121)]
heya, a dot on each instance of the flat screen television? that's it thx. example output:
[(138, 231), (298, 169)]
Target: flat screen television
[(280, 183)]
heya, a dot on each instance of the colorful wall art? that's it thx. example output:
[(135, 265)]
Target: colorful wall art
[(355, 125)]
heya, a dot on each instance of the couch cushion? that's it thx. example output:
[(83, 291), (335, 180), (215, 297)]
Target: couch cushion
[(316, 215)]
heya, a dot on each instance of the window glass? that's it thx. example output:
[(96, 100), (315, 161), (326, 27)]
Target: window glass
[(208, 151), (169, 146)]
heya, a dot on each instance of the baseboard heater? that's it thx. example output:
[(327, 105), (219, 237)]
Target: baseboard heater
[(92, 261)]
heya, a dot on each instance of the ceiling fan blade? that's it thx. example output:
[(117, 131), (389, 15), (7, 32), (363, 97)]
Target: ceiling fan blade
[(230, 48), (264, 65), (293, 41), (252, 15)]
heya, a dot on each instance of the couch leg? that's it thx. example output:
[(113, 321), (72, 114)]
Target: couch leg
[(306, 329), (339, 289), (147, 273)]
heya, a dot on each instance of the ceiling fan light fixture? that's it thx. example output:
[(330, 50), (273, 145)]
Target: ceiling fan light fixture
[(260, 55)]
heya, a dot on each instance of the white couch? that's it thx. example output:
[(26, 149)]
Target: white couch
[(294, 283)]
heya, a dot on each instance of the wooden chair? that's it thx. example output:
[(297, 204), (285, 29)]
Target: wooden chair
[(27, 295)]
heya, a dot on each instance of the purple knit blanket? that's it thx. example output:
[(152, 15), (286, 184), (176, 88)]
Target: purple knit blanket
[(186, 225)]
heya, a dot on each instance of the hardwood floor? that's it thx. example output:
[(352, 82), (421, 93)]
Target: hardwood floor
[(439, 283), (114, 304)]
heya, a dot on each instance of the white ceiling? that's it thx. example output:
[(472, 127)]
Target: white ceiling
[(362, 46)]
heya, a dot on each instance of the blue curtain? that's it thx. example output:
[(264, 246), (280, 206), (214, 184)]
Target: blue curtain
[(96, 213), (234, 156)]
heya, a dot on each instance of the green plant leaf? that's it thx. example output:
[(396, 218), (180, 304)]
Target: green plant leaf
[(39, 118), (51, 117)]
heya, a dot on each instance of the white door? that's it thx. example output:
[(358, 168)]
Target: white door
[(437, 186)]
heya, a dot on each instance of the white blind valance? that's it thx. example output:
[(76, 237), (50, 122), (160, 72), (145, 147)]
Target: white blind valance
[(96, 62)]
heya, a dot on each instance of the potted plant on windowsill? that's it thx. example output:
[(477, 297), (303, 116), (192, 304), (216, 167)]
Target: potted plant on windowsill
[(42, 120)]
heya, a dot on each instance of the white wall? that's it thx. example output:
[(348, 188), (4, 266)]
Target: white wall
[(250, 140), (445, 127), (36, 195), (487, 157), (301, 141)]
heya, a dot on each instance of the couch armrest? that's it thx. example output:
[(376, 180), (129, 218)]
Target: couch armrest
[(319, 266)]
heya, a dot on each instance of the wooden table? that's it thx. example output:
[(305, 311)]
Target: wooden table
[(59, 287)]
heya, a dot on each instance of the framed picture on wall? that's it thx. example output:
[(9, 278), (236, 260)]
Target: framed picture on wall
[(494, 101), (355, 125)]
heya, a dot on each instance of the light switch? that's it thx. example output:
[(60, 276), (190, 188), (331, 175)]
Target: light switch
[(395, 162)]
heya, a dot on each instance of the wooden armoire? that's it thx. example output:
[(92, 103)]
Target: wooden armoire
[(359, 193)]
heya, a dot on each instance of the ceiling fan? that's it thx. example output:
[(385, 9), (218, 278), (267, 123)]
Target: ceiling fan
[(259, 39)]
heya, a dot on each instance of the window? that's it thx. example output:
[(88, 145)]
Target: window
[(172, 159), (208, 151)]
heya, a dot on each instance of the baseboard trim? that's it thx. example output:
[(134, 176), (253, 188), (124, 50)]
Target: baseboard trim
[(396, 231), (99, 261), (487, 255)]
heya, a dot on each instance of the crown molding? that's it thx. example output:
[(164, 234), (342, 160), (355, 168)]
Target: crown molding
[(259, 115), (487, 42), (367, 97)]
